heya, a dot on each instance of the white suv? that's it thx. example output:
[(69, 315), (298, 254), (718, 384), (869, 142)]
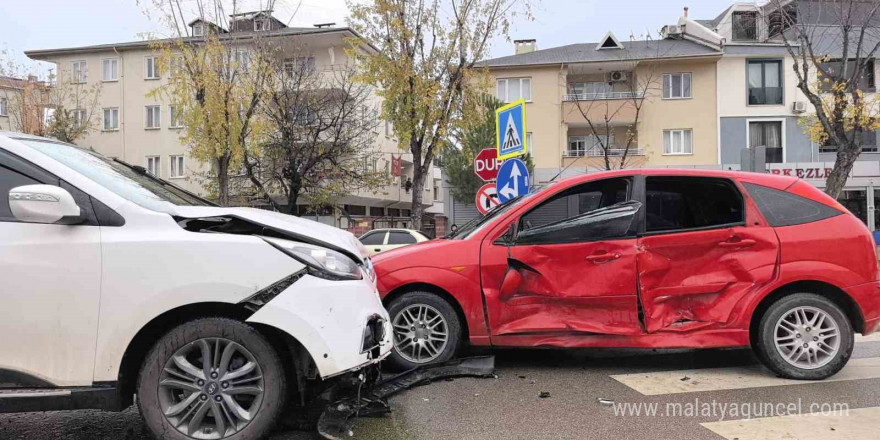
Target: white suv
[(116, 283)]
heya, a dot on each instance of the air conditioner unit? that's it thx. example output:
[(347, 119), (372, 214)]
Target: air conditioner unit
[(670, 30), (799, 107), (616, 76)]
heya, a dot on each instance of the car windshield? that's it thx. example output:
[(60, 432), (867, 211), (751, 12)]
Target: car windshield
[(127, 181), (476, 224)]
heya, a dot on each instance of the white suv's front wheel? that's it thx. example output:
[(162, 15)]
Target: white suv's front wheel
[(212, 378)]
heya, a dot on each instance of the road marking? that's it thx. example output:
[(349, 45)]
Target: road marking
[(861, 423), (715, 379), (873, 337)]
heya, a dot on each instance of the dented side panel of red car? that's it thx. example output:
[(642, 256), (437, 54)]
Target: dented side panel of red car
[(689, 279)]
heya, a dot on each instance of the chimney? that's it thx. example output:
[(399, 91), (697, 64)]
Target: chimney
[(525, 46), (685, 12)]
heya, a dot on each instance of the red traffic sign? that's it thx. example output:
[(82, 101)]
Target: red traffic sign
[(487, 197), (486, 164)]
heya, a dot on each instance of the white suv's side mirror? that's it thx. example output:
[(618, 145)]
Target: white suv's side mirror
[(42, 204)]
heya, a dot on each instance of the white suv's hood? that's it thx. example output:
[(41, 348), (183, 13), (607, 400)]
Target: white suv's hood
[(308, 229)]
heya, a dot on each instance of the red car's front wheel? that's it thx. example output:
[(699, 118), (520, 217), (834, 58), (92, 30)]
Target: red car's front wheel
[(426, 330)]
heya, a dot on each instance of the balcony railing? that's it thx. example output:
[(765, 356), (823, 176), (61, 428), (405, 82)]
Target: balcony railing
[(597, 152), (603, 95)]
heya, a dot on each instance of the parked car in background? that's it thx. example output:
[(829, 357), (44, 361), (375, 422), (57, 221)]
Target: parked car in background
[(656, 258), (381, 240), (118, 283)]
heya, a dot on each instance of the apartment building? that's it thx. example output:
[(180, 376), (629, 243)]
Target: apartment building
[(760, 104), (145, 130), (641, 88), (726, 84)]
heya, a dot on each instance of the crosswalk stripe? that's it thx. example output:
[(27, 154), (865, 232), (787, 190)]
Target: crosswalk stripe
[(732, 378), (861, 423), (873, 337)]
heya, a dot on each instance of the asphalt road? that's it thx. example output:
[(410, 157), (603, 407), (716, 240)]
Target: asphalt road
[(510, 406)]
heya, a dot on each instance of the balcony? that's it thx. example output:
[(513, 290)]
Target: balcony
[(597, 152), (602, 96)]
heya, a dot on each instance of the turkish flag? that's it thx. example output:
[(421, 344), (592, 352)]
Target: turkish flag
[(396, 165)]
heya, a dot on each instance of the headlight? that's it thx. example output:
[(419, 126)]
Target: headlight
[(322, 262)]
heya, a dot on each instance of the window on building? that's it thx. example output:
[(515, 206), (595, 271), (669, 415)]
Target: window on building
[(782, 19), (153, 165), (176, 66), (176, 120), (512, 89), (590, 89), (4, 107), (835, 69), (405, 213), (153, 116), (769, 135), (869, 143), (176, 166), (243, 58), (678, 142), (151, 68), (676, 85), (387, 128), (359, 210), (397, 237), (80, 117), (577, 201), (683, 203), (377, 211), (436, 192), (765, 82), (198, 30), (393, 212), (261, 24), (111, 119), (745, 26), (79, 72), (110, 69), (589, 145)]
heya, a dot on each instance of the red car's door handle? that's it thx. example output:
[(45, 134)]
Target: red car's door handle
[(601, 258), (733, 243)]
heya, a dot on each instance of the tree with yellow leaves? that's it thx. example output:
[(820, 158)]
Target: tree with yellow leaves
[(426, 68), (833, 43)]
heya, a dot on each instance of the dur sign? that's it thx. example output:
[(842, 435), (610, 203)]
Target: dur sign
[(486, 164)]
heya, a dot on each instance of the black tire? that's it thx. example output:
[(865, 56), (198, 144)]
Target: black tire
[(765, 345), (396, 360), (274, 382)]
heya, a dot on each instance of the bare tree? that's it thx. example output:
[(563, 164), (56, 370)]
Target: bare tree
[(619, 103), (322, 142), (833, 43), (71, 109)]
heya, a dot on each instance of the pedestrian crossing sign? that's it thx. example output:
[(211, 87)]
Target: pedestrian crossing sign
[(510, 130)]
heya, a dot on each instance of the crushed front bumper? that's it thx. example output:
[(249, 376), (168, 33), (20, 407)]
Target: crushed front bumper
[(342, 324)]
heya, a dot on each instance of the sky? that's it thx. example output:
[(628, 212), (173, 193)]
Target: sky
[(45, 24)]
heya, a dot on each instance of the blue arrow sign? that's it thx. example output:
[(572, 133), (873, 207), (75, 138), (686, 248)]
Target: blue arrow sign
[(513, 180), (510, 130)]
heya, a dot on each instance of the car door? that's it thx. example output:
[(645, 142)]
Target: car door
[(51, 288), (698, 253), (374, 241), (571, 268)]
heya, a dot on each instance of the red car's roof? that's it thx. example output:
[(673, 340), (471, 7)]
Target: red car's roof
[(769, 180)]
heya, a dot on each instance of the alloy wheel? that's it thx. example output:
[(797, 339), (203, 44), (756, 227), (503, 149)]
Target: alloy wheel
[(420, 333), (211, 388), (807, 337)]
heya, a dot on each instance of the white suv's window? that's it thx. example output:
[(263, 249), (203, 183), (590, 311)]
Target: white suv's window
[(147, 191)]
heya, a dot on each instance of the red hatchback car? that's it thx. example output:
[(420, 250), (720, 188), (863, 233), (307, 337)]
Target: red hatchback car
[(645, 258)]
